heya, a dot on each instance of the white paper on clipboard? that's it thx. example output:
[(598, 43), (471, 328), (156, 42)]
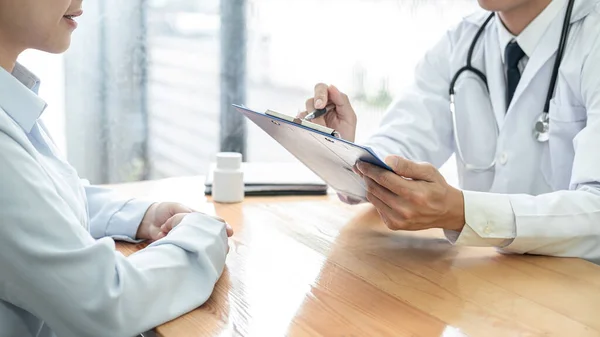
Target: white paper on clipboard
[(329, 157)]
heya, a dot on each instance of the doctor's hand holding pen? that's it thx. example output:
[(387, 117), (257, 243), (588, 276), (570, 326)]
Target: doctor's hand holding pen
[(331, 108), (415, 196)]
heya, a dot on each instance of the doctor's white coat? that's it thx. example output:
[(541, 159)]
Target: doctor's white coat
[(540, 198)]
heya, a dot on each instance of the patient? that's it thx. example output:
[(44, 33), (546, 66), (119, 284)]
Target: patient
[(60, 274)]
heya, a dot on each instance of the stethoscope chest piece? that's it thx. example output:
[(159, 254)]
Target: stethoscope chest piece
[(542, 127)]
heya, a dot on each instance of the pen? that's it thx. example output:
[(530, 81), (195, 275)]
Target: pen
[(319, 112)]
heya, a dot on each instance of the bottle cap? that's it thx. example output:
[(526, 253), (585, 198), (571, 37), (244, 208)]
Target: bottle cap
[(229, 160)]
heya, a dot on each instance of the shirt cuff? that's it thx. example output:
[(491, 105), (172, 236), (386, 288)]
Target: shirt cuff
[(123, 224), (490, 221)]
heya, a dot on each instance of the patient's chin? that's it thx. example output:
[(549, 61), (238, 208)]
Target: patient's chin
[(55, 47)]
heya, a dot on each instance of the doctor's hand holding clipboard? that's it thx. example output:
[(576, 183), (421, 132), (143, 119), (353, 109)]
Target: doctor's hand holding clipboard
[(513, 93), (413, 197)]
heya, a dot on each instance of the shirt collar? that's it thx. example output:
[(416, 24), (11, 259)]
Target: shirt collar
[(533, 33), (18, 96)]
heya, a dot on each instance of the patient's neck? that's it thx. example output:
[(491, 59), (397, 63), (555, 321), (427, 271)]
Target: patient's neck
[(8, 55)]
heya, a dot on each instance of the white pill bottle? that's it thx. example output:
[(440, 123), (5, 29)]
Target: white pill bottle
[(228, 178)]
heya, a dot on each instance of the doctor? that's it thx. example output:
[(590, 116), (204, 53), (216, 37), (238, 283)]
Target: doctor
[(60, 274), (514, 92)]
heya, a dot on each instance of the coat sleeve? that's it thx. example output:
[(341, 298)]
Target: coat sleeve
[(112, 215), (418, 125), (53, 268), (563, 223)]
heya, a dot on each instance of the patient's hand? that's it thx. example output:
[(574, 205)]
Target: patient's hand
[(161, 218)]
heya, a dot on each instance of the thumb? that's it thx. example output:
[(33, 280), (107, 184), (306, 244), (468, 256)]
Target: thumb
[(177, 208), (409, 169), (172, 222)]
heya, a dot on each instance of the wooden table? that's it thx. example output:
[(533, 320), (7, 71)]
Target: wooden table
[(312, 266)]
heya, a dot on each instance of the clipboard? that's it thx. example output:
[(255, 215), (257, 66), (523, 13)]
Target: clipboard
[(318, 148)]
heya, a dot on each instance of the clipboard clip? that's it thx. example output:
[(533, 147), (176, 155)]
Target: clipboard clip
[(304, 123), (317, 127)]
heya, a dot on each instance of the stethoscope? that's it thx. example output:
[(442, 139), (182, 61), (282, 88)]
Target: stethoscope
[(542, 124)]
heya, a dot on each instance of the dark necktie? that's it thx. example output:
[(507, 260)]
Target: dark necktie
[(512, 55)]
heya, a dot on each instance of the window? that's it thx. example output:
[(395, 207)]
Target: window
[(183, 86), (149, 74)]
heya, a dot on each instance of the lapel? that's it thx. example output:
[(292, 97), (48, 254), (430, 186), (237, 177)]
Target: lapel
[(541, 55), (495, 74), (548, 46), (545, 50)]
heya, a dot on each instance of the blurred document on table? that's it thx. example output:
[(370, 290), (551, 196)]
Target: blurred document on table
[(276, 179)]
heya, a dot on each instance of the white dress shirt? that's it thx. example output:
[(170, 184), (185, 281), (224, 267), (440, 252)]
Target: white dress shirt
[(539, 198), (60, 274), (530, 37), (528, 40)]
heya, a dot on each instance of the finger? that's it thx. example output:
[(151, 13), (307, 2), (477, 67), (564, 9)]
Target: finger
[(388, 215), (172, 222), (357, 171), (302, 114), (381, 193), (337, 97), (160, 235), (175, 220), (321, 121), (176, 208), (321, 96), (390, 180), (309, 108), (409, 169)]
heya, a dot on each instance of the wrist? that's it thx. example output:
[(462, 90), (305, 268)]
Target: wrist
[(456, 211), (148, 220)]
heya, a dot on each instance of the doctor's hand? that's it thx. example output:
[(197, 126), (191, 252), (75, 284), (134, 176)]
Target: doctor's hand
[(161, 218), (341, 118), (413, 197)]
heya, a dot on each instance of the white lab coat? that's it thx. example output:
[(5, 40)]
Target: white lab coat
[(541, 198), (60, 274)]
